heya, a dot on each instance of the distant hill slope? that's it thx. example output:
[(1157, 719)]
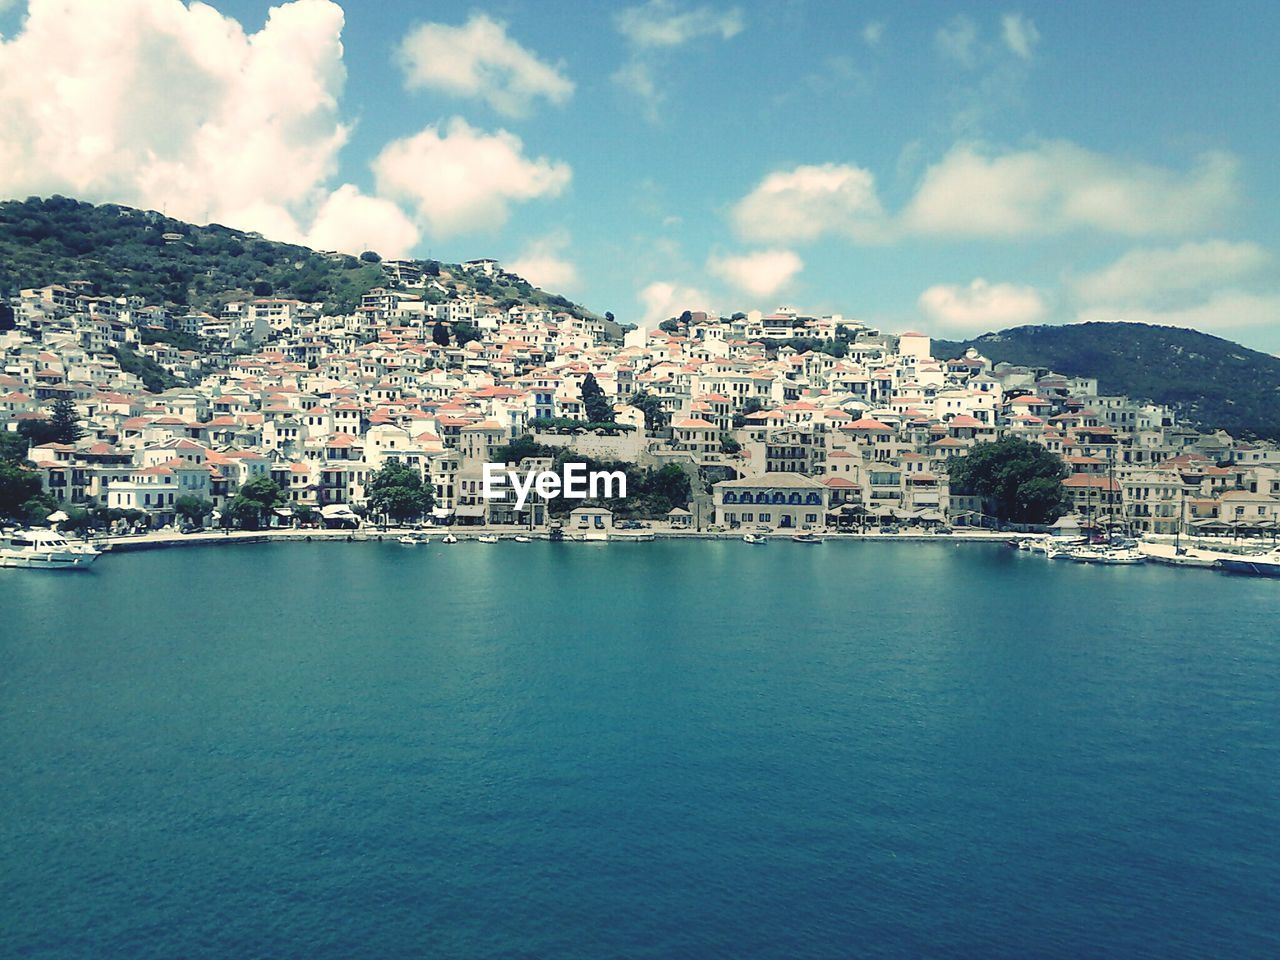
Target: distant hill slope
[(1211, 383), (124, 252)]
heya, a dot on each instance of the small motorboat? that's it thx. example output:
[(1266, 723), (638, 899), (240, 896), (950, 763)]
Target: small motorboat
[(45, 550), (407, 541), (754, 539), (487, 538), (807, 538), (523, 539), (449, 538)]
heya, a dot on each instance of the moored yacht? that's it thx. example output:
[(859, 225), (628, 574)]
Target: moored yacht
[(45, 550), (1253, 565)]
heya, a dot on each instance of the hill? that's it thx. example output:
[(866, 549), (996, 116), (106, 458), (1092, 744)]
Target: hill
[(126, 252), (1211, 382)]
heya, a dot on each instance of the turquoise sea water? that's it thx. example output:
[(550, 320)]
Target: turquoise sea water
[(637, 750)]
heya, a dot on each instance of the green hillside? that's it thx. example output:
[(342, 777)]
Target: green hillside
[(1212, 383), (124, 252)]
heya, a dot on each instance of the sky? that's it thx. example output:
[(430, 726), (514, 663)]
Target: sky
[(946, 167)]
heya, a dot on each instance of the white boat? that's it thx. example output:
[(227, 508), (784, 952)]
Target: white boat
[(1253, 565), (1107, 556), (523, 539), (753, 538), (408, 541), (487, 538), (45, 550), (449, 538), (807, 538)]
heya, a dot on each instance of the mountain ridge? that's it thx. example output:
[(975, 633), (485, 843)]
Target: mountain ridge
[(125, 251), (1210, 382)]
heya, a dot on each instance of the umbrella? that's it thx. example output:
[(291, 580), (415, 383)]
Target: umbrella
[(57, 516)]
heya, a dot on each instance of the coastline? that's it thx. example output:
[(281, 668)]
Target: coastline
[(163, 541)]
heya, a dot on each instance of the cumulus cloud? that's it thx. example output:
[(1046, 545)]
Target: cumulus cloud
[(352, 222), (809, 201), (1145, 273), (461, 179), (1057, 186), (873, 33), (658, 27), (157, 104), (760, 274), (1020, 34), (544, 265), (663, 300), (958, 40), (480, 60), (661, 23), (982, 305)]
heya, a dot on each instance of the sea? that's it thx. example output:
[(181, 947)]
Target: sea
[(646, 750)]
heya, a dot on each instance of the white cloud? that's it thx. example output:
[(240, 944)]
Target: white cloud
[(1020, 34), (1058, 186), (479, 60), (809, 201), (873, 33), (658, 27), (636, 77), (1147, 273), (982, 305), (157, 104), (1225, 310), (352, 222), (760, 274), (543, 264), (958, 40), (663, 300), (462, 179), (661, 23)]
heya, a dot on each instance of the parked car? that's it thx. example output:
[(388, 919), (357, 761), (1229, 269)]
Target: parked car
[(889, 529)]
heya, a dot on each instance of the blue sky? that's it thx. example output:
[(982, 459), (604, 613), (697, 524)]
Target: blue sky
[(939, 166)]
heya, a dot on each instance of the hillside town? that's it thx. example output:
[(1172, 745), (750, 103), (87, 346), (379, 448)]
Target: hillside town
[(782, 421)]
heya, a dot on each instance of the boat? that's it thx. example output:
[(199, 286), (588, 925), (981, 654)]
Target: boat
[(45, 550), (408, 541), (1107, 556), (753, 538), (1253, 565), (449, 538), (487, 538), (806, 538), (523, 539)]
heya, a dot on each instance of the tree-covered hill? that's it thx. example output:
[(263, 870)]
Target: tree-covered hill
[(126, 252), (1211, 383)]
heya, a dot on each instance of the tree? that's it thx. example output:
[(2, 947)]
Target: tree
[(263, 288), (465, 332), (66, 421), (686, 318), (655, 418), (370, 257), (1022, 480), (193, 509), (252, 506), (608, 316), (17, 486), (13, 447), (669, 326), (596, 404), (37, 432), (397, 491), (440, 334)]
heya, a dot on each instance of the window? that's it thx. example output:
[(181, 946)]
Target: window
[(766, 517)]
